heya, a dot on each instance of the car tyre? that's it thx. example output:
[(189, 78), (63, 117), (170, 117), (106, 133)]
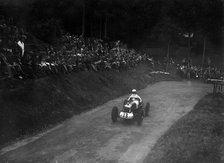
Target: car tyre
[(147, 107), (140, 118), (114, 114)]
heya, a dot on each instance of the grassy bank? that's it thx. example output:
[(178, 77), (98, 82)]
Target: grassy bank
[(31, 106), (196, 138)]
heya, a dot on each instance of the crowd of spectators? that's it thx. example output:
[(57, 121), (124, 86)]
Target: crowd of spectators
[(189, 71), (75, 53), (12, 47), (72, 53)]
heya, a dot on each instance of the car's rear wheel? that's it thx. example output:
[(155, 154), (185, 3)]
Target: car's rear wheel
[(140, 118), (147, 107), (114, 114)]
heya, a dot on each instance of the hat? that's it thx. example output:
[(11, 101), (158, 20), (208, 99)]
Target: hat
[(133, 91)]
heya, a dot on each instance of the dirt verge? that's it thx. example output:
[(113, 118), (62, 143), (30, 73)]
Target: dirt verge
[(197, 137)]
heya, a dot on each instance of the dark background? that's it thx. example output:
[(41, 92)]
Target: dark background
[(138, 23)]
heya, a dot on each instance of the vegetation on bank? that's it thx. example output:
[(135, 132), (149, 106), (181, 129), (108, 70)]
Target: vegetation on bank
[(198, 137)]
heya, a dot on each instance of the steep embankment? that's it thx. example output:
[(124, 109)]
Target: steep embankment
[(37, 104)]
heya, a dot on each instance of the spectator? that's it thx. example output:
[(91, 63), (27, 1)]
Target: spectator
[(21, 44)]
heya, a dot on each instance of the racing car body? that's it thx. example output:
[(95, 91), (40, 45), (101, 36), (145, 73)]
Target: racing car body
[(132, 110)]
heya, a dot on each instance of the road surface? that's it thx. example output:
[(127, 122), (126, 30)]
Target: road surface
[(91, 137)]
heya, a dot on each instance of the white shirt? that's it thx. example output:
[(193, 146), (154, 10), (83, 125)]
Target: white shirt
[(135, 96), (21, 44)]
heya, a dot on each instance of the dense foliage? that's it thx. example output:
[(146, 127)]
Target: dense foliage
[(133, 21)]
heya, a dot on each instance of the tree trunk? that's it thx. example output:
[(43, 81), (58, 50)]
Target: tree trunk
[(100, 26), (168, 56), (105, 25), (203, 56), (189, 53), (83, 19), (91, 29)]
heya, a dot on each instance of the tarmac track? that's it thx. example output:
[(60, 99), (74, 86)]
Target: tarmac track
[(91, 137)]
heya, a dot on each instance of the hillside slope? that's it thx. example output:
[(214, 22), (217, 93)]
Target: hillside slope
[(34, 105)]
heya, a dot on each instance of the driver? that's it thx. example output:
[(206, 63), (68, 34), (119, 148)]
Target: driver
[(134, 96)]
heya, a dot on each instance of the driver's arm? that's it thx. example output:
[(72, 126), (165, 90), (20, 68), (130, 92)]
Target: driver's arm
[(140, 99), (129, 98)]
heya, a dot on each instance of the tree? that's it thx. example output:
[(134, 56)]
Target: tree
[(83, 18)]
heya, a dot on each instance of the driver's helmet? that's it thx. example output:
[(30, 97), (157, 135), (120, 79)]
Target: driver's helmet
[(133, 91)]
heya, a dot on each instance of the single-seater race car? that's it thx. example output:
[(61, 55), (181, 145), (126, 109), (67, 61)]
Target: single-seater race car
[(132, 110)]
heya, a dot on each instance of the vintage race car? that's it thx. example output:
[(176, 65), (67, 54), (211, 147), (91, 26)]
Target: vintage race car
[(132, 110)]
